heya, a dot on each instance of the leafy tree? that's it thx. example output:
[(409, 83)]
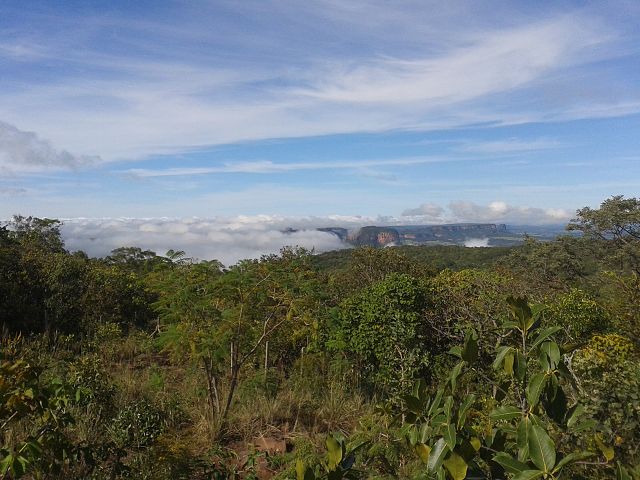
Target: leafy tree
[(617, 221), (381, 327)]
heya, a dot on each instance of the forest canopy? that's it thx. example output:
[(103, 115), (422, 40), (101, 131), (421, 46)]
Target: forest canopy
[(405, 362)]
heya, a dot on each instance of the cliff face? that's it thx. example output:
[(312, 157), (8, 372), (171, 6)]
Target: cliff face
[(374, 236)]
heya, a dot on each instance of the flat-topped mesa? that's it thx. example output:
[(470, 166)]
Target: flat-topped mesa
[(374, 236)]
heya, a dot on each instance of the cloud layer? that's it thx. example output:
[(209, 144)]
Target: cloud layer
[(229, 239)]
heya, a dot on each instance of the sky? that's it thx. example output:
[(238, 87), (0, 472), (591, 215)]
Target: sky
[(280, 112)]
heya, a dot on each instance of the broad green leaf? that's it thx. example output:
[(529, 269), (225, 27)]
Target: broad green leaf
[(450, 436), (505, 412), (528, 475), (425, 433), (509, 463), (501, 353), (457, 351), (552, 351), (464, 409), (572, 457), (436, 402), (520, 311), (475, 443), (456, 466), (448, 408), (541, 449), (470, 348), (423, 452), (455, 373), (534, 389), (436, 456), (543, 335), (334, 452), (508, 363)]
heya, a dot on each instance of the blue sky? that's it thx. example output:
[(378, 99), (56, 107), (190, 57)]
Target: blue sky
[(407, 111)]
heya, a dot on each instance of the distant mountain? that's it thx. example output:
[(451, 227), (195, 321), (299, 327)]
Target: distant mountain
[(490, 234)]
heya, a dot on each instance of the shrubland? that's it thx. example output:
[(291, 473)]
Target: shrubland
[(421, 362)]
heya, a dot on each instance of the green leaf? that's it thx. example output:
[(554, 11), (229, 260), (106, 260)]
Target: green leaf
[(552, 351), (508, 364), (303, 472), (528, 475), (505, 412), (574, 415), (423, 452), (455, 373), (500, 354), (621, 472), (470, 348), (5, 464), (448, 408), (541, 449), (509, 463), (521, 366), (436, 402), (436, 457), (546, 333), (456, 351), (534, 389), (456, 466), (464, 408), (450, 436), (522, 438), (572, 457), (334, 452)]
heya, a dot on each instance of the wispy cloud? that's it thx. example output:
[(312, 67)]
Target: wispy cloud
[(131, 104), (266, 166), (509, 146)]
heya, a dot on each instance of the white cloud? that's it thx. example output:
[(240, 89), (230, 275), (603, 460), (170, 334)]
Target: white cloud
[(427, 210), (476, 242), (22, 151), (494, 212), (504, 213), (227, 240)]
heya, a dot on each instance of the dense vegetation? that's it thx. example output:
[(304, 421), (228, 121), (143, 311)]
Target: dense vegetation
[(433, 362)]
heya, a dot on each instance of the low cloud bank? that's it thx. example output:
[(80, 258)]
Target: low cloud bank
[(229, 239), (477, 242), (226, 240)]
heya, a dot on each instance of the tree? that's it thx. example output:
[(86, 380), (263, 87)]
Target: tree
[(616, 222), (381, 328)]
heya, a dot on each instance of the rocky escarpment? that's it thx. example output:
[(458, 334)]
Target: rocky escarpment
[(421, 234), (374, 236)]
